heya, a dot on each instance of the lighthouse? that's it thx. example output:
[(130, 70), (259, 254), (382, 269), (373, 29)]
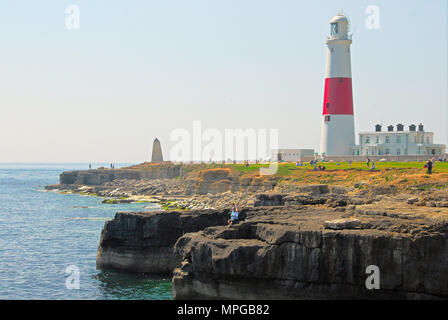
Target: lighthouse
[(338, 125)]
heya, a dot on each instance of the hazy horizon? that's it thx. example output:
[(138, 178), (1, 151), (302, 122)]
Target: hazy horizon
[(138, 70)]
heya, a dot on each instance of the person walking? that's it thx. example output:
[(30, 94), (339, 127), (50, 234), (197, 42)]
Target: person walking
[(368, 162), (373, 166)]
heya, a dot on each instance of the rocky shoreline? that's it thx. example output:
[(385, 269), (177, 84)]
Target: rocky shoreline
[(293, 241), (172, 187), (286, 252)]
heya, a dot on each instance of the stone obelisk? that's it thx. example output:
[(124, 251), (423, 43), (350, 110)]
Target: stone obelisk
[(156, 151)]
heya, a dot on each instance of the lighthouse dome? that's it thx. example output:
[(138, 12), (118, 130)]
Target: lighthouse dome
[(339, 18), (339, 27)]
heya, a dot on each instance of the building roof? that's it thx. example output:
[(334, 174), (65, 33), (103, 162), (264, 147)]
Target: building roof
[(393, 132), (339, 18)]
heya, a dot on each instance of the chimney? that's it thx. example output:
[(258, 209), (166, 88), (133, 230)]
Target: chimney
[(400, 127), (390, 128), (412, 127), (378, 128), (420, 127)]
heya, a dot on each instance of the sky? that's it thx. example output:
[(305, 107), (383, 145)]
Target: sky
[(136, 70)]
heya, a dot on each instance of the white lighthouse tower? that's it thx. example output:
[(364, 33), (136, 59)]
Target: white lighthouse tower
[(338, 125)]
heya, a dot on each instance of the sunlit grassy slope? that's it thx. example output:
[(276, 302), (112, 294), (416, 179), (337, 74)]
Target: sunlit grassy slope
[(400, 174)]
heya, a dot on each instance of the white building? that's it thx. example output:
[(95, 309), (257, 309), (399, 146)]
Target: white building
[(292, 155), (397, 143)]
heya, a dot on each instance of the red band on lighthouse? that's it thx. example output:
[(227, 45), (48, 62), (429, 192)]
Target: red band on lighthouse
[(338, 97)]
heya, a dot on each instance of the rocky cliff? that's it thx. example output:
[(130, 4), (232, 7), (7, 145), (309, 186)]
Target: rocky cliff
[(144, 241), (317, 250), (101, 176), (219, 180), (308, 252)]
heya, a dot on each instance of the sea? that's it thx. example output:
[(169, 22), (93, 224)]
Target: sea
[(49, 241)]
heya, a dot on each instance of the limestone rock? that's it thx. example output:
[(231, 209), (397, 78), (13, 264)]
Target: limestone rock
[(143, 241), (283, 253), (340, 224)]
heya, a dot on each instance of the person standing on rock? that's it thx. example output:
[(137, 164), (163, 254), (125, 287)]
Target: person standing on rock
[(233, 215)]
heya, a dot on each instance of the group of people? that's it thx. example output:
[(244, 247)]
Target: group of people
[(112, 166), (312, 163), (372, 168), (431, 164)]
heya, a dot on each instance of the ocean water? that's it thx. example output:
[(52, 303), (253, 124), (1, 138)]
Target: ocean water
[(42, 234)]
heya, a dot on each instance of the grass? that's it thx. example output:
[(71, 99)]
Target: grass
[(287, 168), (400, 174)]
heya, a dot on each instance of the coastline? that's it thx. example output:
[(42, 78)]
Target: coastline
[(331, 232)]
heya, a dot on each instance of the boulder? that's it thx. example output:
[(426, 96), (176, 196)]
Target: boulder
[(340, 224)]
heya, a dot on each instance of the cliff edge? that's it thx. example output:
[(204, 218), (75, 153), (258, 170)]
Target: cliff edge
[(144, 241), (318, 253)]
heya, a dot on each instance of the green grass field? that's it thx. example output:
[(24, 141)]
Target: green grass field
[(287, 168)]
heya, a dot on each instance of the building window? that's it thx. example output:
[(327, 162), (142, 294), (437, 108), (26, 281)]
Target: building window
[(377, 139), (387, 139), (387, 151), (427, 140), (367, 140), (398, 151), (334, 29), (398, 139)]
